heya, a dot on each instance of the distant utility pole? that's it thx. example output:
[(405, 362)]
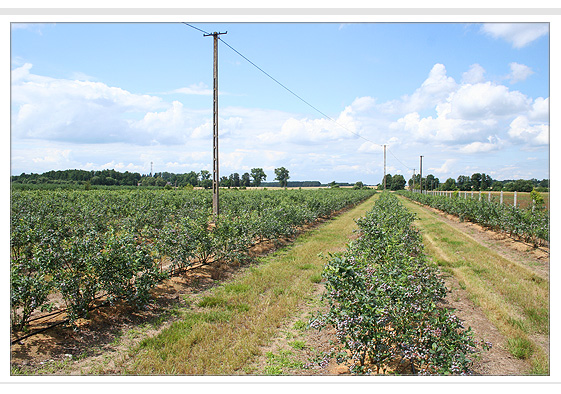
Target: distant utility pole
[(421, 180), (151, 168), (215, 175), (384, 167)]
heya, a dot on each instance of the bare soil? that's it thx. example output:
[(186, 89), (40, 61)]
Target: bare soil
[(496, 362), (104, 338)]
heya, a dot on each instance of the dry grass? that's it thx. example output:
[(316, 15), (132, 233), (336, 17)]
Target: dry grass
[(221, 333), (514, 297)]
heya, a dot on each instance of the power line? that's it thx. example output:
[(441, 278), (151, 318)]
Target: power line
[(297, 96), (289, 90)]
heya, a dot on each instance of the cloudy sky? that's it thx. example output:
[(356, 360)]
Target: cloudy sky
[(468, 97)]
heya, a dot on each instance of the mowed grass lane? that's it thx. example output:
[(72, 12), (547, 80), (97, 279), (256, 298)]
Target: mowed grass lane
[(513, 297), (222, 332)]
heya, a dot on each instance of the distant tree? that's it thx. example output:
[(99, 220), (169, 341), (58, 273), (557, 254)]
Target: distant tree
[(258, 176), (245, 180), (148, 181), (519, 185), (476, 181), (486, 182), (235, 180), (450, 184), (398, 183), (358, 185), (388, 179), (431, 182), (282, 175), (333, 184), (497, 185), (464, 182), (225, 181)]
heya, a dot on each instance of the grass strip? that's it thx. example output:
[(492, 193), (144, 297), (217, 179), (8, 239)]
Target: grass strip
[(513, 297), (225, 330)]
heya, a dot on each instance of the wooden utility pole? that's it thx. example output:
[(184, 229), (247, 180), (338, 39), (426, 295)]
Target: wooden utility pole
[(384, 167), (421, 175), (215, 172)]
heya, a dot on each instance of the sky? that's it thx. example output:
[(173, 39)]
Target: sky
[(320, 99)]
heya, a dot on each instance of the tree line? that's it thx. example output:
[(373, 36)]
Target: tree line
[(476, 182), (112, 177)]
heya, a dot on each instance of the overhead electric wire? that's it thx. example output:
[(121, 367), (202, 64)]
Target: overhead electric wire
[(297, 96)]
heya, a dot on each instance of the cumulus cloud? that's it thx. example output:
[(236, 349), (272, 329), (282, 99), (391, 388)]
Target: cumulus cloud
[(540, 110), (320, 130), (532, 134), (518, 34), (478, 116), (485, 100), (445, 168), (474, 74), (72, 110), (493, 143), (519, 72), (434, 89)]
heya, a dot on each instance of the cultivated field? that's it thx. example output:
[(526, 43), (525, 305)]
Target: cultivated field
[(152, 285)]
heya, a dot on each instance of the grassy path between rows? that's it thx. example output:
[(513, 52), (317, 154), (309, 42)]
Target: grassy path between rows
[(513, 297), (220, 333)]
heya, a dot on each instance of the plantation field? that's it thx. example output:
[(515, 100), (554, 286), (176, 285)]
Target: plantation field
[(510, 284), (404, 269), (84, 245)]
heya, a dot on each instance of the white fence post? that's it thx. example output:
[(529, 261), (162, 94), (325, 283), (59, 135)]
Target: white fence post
[(501, 196), (515, 192)]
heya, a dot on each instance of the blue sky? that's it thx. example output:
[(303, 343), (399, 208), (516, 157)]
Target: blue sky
[(469, 97)]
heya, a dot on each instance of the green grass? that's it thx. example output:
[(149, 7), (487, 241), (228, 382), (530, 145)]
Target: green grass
[(514, 298), (237, 318)]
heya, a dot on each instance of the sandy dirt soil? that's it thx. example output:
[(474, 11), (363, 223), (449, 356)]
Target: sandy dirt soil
[(104, 338)]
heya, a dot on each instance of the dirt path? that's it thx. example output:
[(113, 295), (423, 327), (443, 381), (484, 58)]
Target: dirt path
[(296, 350), (300, 351)]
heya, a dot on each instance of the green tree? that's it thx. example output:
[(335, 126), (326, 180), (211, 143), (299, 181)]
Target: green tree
[(464, 182), (450, 184), (225, 181), (398, 182), (282, 175), (476, 181), (245, 180), (388, 179), (258, 176)]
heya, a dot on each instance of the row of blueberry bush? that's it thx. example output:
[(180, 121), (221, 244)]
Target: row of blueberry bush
[(122, 243), (386, 301), (531, 225)]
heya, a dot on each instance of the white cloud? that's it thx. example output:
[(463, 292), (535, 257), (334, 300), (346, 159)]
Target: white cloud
[(540, 110), (486, 100), (196, 89), (445, 168), (434, 89), (519, 72), (482, 147), (76, 111), (474, 74), (518, 34), (322, 130), (523, 130)]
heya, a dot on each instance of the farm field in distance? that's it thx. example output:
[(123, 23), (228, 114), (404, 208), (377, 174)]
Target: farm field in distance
[(253, 219)]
